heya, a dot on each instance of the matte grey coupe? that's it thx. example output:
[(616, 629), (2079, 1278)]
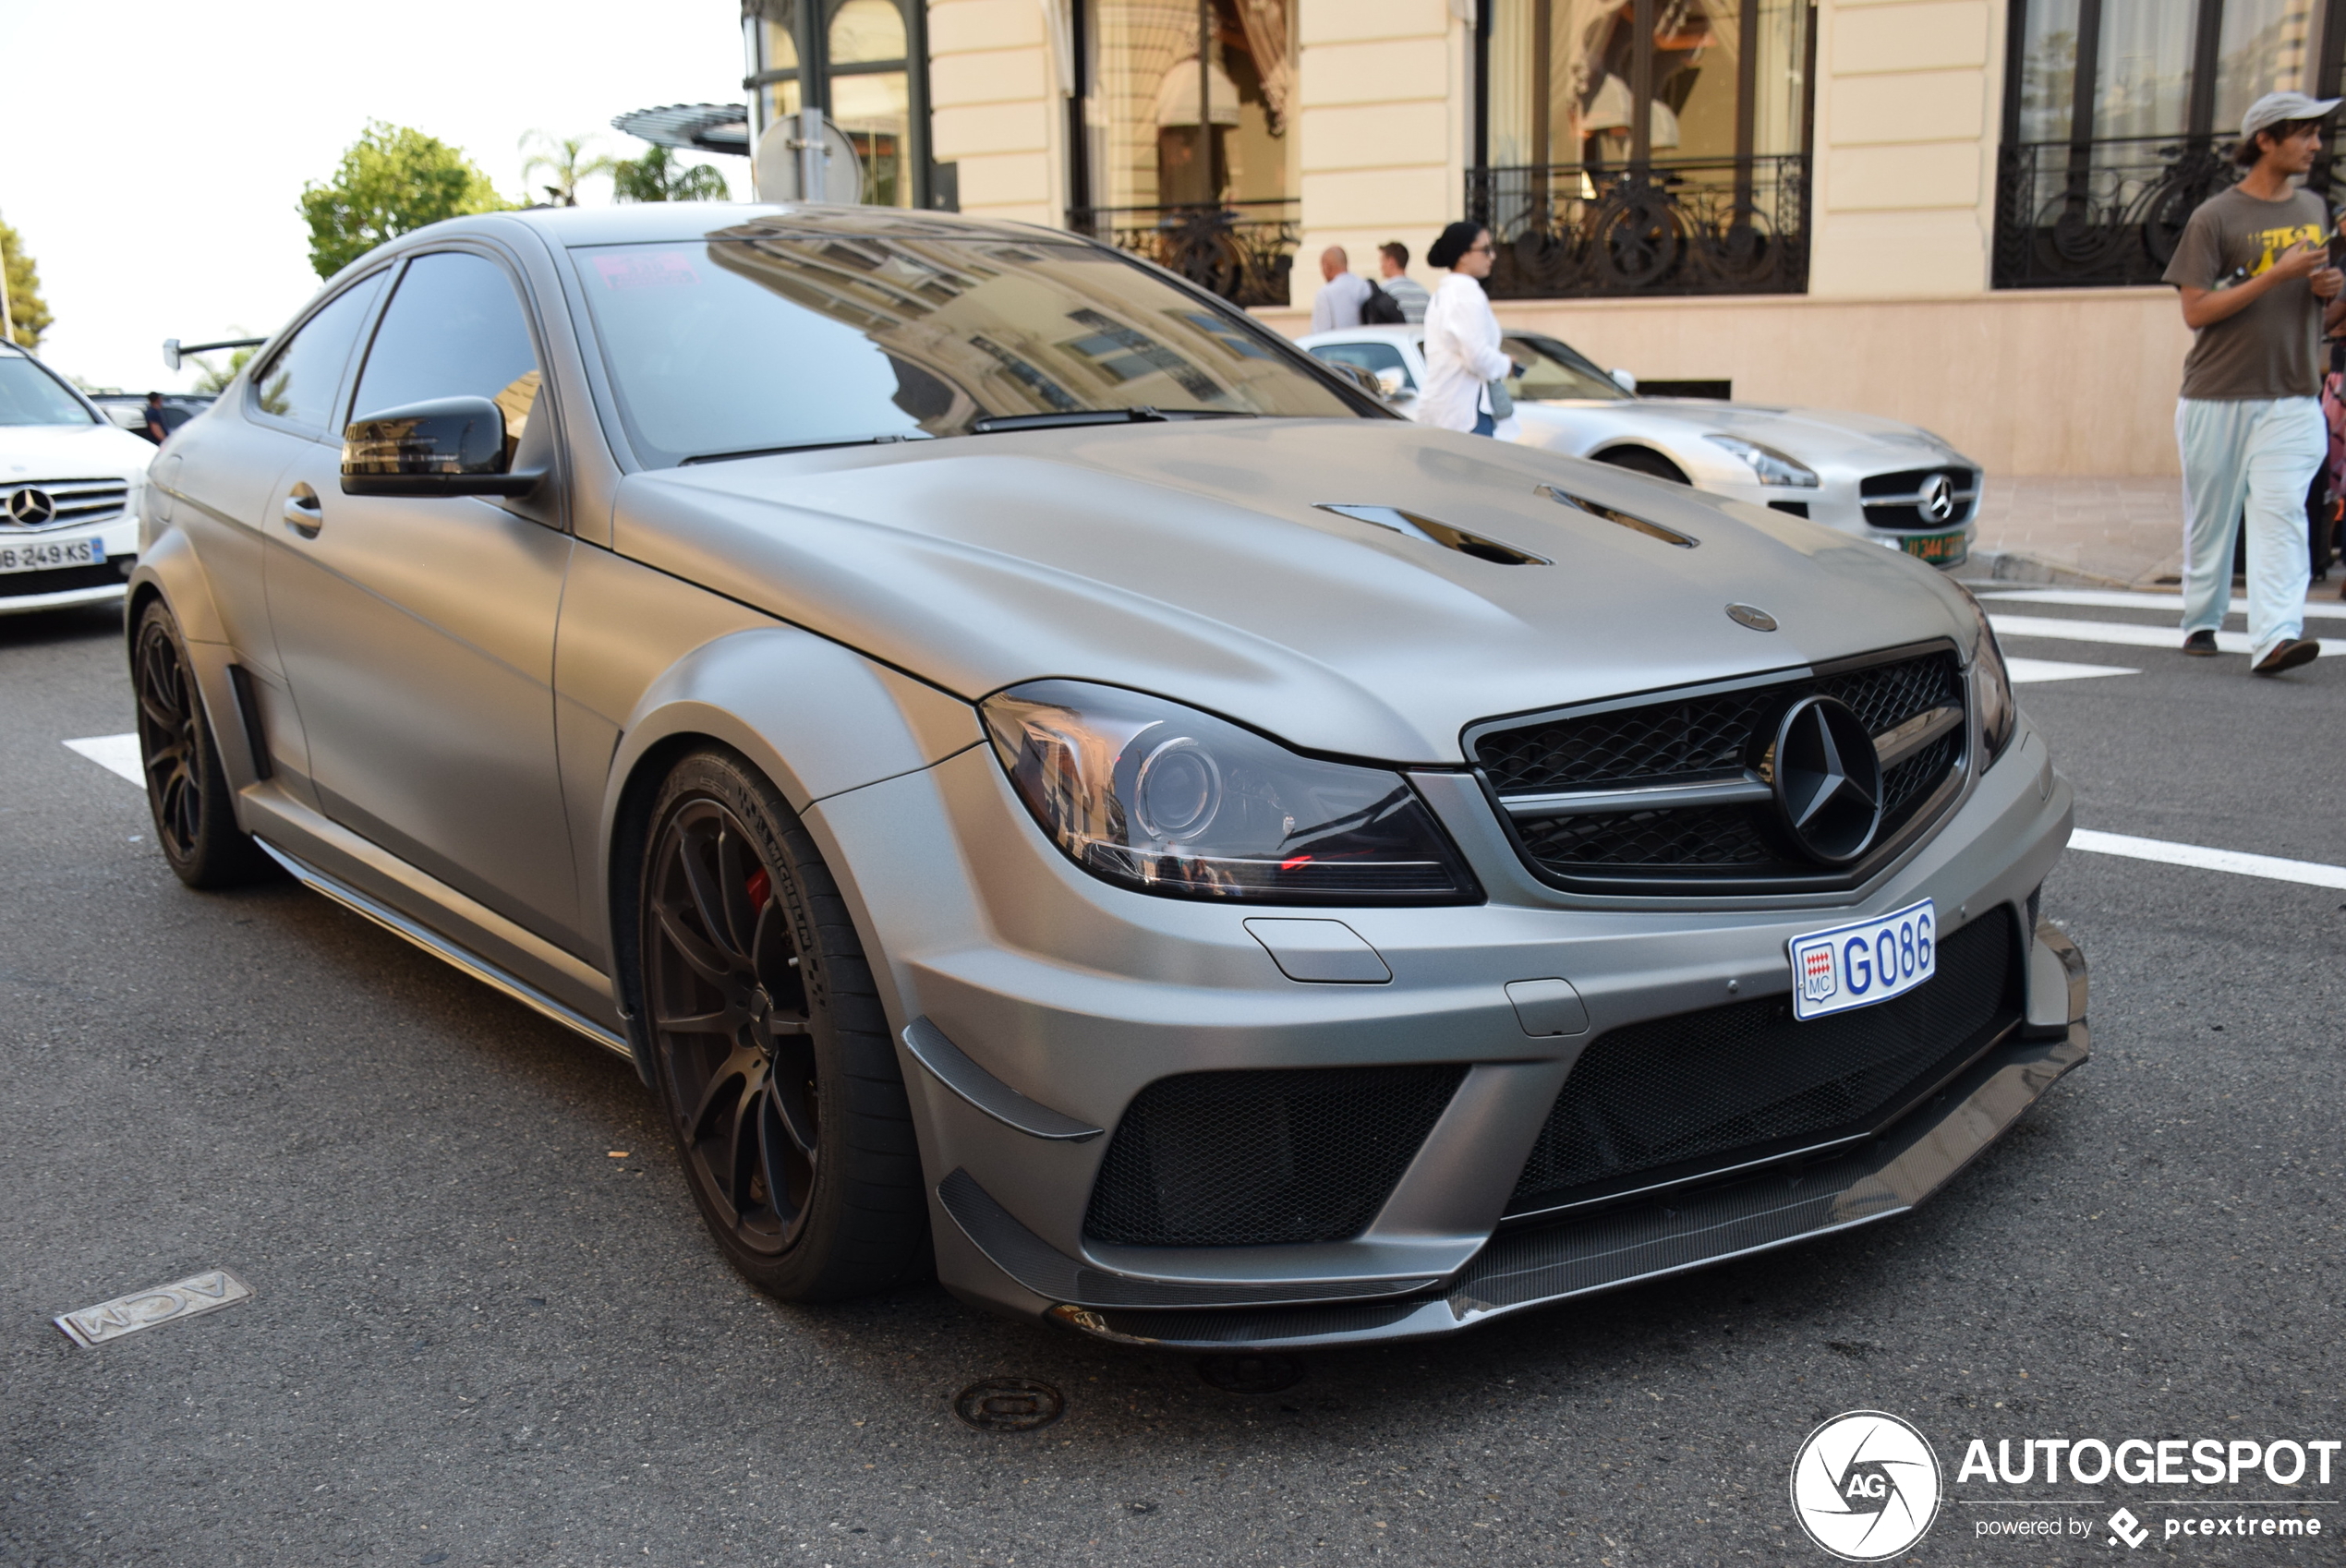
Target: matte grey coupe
[(1051, 784)]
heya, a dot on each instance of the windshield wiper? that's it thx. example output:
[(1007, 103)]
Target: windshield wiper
[(803, 446), (995, 423)]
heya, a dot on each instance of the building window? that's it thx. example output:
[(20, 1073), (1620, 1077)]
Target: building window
[(2120, 116), (1181, 141), (863, 63), (1644, 147)]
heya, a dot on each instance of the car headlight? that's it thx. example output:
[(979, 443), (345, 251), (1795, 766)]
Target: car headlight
[(1163, 799), (1998, 716), (1772, 466)]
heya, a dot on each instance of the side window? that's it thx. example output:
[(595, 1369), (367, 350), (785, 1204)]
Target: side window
[(299, 381), (1377, 358), (454, 329)]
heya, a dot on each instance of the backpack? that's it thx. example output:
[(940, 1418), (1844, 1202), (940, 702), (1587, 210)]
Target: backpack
[(1381, 309)]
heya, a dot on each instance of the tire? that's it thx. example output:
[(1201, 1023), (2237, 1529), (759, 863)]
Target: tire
[(187, 794), (770, 1051), (1641, 460)]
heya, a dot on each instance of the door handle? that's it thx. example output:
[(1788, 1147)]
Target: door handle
[(303, 514)]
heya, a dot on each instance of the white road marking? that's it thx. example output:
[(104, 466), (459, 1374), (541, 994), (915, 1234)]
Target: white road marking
[(2111, 598), (2311, 873), (2023, 671), (2063, 629), (116, 754)]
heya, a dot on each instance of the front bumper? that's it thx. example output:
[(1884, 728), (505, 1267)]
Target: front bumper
[(1837, 504), (1538, 1266), (1058, 999), (24, 593)]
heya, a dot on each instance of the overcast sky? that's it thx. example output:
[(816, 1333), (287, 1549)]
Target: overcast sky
[(152, 154)]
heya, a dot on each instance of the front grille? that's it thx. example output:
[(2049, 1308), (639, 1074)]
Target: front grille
[(1705, 739), (1891, 500), (1283, 1156), (61, 579), (75, 500), (1673, 1097)]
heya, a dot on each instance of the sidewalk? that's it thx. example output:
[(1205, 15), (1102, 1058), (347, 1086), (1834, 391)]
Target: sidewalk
[(2109, 533)]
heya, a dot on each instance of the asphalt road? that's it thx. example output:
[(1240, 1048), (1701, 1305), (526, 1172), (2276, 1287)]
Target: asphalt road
[(479, 1338)]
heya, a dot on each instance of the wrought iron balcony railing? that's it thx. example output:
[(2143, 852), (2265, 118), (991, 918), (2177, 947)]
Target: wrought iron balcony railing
[(2091, 214), (1673, 226), (1242, 250), (2101, 213)]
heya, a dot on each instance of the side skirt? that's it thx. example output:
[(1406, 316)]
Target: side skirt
[(448, 952)]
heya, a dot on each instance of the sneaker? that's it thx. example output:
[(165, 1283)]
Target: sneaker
[(2200, 644), (2289, 656)]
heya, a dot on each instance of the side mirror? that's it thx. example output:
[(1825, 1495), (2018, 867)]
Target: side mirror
[(451, 446), (1360, 378), (1626, 382)]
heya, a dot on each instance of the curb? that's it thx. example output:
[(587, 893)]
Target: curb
[(2010, 566)]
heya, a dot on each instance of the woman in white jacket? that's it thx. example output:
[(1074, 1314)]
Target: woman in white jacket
[(1462, 353)]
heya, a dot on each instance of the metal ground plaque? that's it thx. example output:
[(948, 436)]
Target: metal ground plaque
[(207, 1292)]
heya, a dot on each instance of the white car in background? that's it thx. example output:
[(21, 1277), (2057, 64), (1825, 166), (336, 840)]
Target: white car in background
[(69, 489), (1877, 478)]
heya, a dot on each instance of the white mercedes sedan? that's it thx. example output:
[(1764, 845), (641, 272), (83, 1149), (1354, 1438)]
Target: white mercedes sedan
[(1894, 483)]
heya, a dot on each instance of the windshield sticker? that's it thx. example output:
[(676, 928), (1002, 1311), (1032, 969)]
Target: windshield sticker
[(635, 269)]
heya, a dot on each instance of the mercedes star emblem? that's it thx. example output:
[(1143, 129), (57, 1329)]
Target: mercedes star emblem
[(1938, 498), (29, 508), (1828, 780)]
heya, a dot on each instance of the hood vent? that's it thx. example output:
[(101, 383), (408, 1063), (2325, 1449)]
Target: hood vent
[(1441, 534), (1614, 514)]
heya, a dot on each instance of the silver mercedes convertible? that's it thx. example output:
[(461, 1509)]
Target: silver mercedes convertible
[(1051, 784)]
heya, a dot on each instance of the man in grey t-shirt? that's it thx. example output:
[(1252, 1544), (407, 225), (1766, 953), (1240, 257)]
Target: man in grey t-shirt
[(2253, 274)]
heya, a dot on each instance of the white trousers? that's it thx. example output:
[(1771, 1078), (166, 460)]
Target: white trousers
[(2259, 452)]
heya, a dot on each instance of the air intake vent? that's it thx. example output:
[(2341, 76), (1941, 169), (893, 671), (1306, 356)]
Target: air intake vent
[(1614, 514), (1708, 1091), (1285, 1156), (1441, 534)]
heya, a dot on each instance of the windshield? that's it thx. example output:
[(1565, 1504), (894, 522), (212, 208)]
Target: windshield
[(1553, 372), (739, 345), (30, 395)]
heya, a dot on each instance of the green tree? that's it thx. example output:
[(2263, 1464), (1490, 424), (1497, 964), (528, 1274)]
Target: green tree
[(215, 379), (657, 177), (566, 159), (391, 180), (28, 314)]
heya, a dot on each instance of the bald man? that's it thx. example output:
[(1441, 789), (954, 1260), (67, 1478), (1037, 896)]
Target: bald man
[(1339, 302)]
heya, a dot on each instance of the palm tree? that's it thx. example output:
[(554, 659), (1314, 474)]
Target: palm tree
[(213, 378), (566, 159), (657, 177)]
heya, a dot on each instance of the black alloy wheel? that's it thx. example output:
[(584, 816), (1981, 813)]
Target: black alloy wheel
[(187, 789), (770, 1051)]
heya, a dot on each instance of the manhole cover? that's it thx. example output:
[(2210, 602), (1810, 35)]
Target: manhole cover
[(1009, 1405), (1249, 1374)]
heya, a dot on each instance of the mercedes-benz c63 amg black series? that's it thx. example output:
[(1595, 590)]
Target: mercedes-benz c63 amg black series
[(1050, 783)]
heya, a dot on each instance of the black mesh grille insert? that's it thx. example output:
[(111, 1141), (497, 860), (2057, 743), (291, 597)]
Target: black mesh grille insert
[(1239, 1158), (59, 579), (1700, 738), (1713, 1088)]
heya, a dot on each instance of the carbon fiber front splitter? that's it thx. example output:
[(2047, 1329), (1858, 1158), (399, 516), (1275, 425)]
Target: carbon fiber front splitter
[(1535, 1265)]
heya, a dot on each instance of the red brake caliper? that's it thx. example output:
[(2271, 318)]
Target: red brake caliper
[(760, 887)]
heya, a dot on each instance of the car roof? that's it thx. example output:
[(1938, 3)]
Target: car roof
[(652, 221), (1407, 331)]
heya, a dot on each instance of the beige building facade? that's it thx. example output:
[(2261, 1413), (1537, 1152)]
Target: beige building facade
[(1950, 211)]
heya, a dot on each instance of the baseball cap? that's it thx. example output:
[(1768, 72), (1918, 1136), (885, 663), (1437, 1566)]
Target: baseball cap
[(2279, 108)]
